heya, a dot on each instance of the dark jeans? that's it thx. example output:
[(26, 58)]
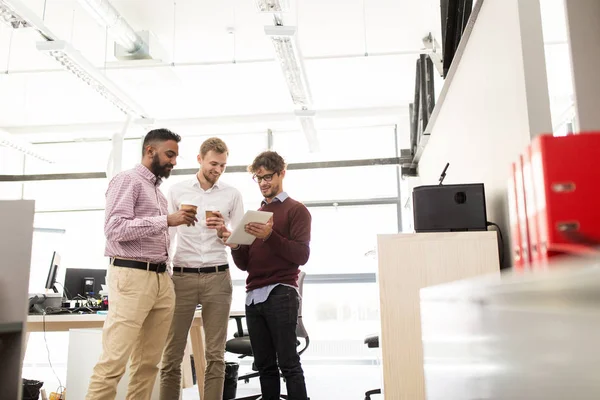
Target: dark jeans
[(272, 330)]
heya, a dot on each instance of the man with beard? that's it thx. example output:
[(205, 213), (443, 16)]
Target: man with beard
[(200, 271), (272, 262), (141, 293)]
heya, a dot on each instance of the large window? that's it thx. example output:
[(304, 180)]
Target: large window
[(242, 148), (338, 144), (70, 158), (342, 183), (75, 194), (11, 163), (339, 313), (344, 239), (81, 245)]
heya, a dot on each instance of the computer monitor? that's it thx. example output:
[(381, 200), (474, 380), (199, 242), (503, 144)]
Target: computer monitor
[(84, 282), (51, 279)]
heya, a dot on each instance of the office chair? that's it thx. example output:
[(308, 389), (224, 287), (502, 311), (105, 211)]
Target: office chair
[(372, 342), (240, 344)]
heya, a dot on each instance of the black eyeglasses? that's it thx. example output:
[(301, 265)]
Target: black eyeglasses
[(266, 178)]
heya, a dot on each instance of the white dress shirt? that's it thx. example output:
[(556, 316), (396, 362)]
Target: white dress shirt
[(198, 246)]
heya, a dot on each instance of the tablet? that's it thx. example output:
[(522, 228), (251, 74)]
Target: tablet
[(239, 235)]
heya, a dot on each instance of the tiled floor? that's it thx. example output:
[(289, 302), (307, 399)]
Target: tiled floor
[(323, 382)]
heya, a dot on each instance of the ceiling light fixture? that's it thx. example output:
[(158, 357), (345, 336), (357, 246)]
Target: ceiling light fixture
[(79, 66), (288, 54), (8, 140), (272, 6), (16, 15), (307, 123)]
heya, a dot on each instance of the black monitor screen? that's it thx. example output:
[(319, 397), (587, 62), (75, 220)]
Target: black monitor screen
[(51, 279), (84, 282), (455, 15)]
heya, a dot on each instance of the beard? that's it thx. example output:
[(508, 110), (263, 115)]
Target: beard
[(270, 192), (210, 177), (163, 171)]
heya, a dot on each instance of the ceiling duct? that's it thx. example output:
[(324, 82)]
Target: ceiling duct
[(129, 44)]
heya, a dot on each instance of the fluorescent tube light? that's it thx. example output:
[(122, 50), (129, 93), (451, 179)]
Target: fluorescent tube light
[(79, 66), (307, 123), (8, 140), (272, 6), (16, 15), (288, 54)]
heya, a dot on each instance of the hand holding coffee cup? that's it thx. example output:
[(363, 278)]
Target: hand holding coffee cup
[(214, 218), (182, 217), (190, 209)]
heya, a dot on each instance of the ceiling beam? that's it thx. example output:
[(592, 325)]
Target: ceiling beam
[(404, 158), (144, 64), (267, 119)]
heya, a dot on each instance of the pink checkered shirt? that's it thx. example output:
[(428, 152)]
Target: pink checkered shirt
[(135, 223)]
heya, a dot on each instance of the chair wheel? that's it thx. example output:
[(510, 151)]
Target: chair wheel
[(246, 380)]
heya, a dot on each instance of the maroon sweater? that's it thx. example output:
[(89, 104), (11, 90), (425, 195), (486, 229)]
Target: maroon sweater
[(276, 260)]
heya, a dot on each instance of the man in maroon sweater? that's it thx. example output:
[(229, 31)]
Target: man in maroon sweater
[(272, 262)]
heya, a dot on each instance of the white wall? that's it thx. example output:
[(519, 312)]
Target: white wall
[(496, 101), (583, 17)]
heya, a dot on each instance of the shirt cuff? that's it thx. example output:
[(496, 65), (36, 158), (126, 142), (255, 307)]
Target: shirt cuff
[(267, 238), (161, 223), (274, 241)]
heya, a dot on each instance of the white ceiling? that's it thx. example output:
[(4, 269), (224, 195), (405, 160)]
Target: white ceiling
[(203, 81)]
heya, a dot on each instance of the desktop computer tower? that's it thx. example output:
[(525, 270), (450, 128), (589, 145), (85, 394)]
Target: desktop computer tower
[(449, 208)]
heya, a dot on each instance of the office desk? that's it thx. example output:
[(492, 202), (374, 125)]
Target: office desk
[(64, 322)]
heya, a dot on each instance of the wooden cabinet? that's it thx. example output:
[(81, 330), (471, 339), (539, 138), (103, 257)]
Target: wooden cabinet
[(408, 263)]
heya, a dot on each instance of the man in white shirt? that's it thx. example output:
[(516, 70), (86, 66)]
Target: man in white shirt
[(200, 271)]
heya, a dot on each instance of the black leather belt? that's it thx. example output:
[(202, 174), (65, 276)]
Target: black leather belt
[(202, 270), (119, 262)]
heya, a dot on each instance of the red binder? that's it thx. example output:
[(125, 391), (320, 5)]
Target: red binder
[(530, 207), (523, 226), (567, 179), (513, 212)]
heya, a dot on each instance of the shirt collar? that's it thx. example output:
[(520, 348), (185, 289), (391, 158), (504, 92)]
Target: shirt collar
[(148, 175), (196, 183), (281, 197)]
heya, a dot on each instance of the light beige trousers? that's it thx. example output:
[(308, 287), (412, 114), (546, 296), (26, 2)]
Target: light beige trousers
[(141, 307), (213, 292)]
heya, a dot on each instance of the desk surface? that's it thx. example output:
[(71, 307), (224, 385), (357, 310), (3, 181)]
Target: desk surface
[(65, 318), (64, 322)]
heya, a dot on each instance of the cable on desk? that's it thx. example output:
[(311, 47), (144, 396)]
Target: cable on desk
[(66, 292), (60, 388), (501, 241)]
